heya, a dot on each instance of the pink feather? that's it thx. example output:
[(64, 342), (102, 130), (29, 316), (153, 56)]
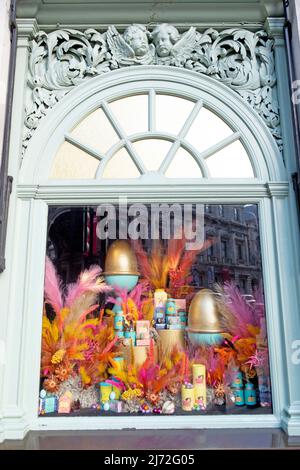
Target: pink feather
[(86, 283), (135, 295), (259, 305), (87, 312), (53, 287), (243, 313)]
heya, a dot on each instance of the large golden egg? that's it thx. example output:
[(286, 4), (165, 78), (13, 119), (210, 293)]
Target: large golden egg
[(120, 259), (203, 313)]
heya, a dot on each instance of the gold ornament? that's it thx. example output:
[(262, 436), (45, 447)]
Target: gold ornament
[(203, 314), (120, 259)]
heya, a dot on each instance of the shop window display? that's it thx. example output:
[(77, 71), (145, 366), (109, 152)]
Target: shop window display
[(152, 324)]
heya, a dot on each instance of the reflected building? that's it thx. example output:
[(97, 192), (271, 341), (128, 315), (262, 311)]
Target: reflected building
[(235, 250), (234, 253)]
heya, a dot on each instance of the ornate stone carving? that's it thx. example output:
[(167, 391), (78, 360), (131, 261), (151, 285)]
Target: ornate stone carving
[(241, 59), (130, 48)]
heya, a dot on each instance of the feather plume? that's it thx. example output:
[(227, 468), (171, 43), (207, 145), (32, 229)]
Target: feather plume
[(87, 282), (172, 264), (87, 344), (147, 310), (53, 287), (154, 268), (237, 315)]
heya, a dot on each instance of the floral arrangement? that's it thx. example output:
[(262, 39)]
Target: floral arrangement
[(168, 267), (76, 339)]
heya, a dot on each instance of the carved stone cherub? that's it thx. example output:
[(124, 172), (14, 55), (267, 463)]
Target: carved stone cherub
[(171, 47), (132, 47)]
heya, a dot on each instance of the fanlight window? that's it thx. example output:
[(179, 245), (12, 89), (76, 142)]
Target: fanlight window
[(152, 133)]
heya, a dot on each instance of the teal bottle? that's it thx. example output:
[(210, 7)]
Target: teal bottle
[(238, 379), (239, 396), (250, 395)]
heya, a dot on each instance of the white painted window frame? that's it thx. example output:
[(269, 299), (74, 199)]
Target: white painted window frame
[(27, 231)]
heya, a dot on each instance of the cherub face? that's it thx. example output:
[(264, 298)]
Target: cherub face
[(139, 43), (163, 43)]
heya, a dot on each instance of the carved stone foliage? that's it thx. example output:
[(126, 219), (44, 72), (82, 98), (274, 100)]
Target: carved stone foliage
[(241, 59)]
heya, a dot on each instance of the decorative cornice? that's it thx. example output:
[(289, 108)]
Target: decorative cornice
[(241, 59), (180, 25), (210, 191), (274, 27), (146, 11), (278, 189), (27, 27), (27, 30)]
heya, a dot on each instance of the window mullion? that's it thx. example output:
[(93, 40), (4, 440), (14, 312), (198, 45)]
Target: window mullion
[(122, 134), (192, 116), (170, 155), (190, 119), (151, 110), (220, 145), (83, 147), (141, 167)]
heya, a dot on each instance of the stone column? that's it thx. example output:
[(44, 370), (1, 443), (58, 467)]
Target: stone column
[(11, 325), (288, 240)]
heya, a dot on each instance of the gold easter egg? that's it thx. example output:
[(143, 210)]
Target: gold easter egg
[(203, 313), (120, 259)]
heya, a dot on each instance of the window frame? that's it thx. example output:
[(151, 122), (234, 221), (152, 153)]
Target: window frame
[(28, 227)]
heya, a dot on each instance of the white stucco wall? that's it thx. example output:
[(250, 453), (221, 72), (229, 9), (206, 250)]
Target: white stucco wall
[(4, 59)]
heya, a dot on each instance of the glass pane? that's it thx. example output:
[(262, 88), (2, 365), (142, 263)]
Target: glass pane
[(207, 130), (121, 166), (96, 131), (230, 162), (183, 166), (71, 162), (132, 113), (152, 152), (171, 113), (182, 329)]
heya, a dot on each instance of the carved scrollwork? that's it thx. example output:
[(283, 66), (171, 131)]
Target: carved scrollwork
[(241, 59)]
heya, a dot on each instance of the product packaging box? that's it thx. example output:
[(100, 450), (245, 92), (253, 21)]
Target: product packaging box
[(142, 329)]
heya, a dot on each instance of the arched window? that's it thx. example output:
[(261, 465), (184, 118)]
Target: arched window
[(149, 131), (152, 133)]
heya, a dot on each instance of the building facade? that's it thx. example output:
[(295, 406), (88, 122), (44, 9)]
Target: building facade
[(149, 74)]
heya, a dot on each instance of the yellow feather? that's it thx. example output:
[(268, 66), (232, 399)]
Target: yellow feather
[(84, 376)]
